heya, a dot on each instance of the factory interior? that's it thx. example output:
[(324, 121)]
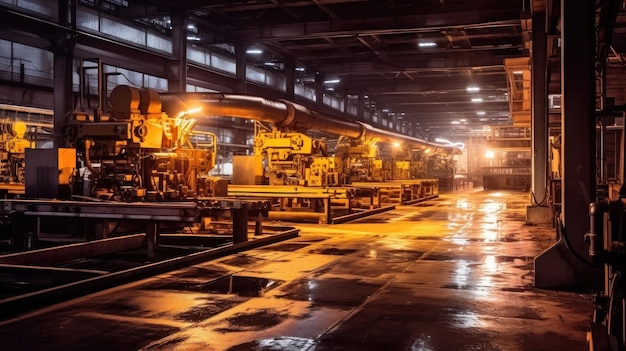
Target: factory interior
[(282, 175)]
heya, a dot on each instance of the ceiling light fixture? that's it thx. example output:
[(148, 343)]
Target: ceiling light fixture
[(254, 51), (427, 44), (332, 81), (477, 100), (473, 89), (480, 113)]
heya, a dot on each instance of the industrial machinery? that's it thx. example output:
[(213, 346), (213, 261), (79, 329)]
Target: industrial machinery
[(13, 144), (441, 168), (356, 147), (292, 158), (21, 128), (138, 153), (301, 173), (606, 247), (507, 161), (361, 161)]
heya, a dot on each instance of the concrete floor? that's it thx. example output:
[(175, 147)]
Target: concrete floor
[(456, 274)]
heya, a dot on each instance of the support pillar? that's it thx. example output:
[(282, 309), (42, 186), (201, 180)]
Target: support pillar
[(239, 217), (19, 231), (152, 238), (319, 89), (177, 68), (539, 212), (240, 68), (360, 108), (63, 50), (290, 78), (566, 265)]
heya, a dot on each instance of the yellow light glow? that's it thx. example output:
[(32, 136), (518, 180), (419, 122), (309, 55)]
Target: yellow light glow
[(490, 154), (189, 112), (396, 144)]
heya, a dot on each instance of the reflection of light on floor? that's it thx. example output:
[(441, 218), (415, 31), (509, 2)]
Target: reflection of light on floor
[(485, 283), (372, 254), (490, 226), (461, 273), (422, 344), (311, 285), (483, 288), (462, 203), (285, 343), (459, 216), (459, 241), (452, 225), (395, 243), (467, 320)]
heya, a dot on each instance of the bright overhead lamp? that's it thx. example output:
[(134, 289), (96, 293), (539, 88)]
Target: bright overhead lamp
[(477, 100), (455, 122), (254, 51), (300, 69), (473, 89), (480, 113), (332, 81), (427, 44)]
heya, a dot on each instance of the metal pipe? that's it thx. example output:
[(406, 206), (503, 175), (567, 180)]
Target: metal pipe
[(90, 167), (284, 113)]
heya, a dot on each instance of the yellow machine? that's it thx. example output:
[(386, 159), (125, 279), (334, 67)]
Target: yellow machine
[(13, 144), (361, 162), (137, 152), (292, 158)]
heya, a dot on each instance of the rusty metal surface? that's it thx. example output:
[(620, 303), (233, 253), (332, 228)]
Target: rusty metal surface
[(455, 273)]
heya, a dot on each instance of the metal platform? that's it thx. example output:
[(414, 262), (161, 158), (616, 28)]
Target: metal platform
[(25, 216), (323, 205)]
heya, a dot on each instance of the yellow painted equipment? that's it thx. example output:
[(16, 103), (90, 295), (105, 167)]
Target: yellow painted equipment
[(137, 152)]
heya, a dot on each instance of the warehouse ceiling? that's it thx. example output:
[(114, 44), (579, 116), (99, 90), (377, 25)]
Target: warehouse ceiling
[(412, 59), (421, 63)]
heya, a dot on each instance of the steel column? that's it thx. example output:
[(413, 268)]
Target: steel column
[(361, 107), (177, 70), (290, 78), (319, 89), (539, 125), (565, 264), (63, 43), (240, 67), (240, 223)]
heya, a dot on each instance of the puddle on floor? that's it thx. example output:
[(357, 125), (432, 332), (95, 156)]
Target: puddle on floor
[(241, 285)]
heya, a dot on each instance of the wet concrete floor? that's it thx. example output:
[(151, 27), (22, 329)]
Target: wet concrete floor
[(453, 274)]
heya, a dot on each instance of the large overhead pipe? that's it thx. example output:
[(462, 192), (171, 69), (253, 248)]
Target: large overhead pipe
[(284, 113)]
